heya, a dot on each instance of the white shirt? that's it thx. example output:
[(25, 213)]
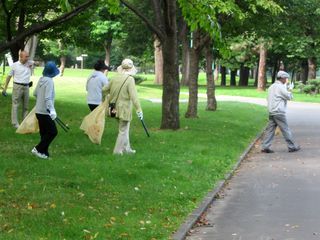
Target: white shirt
[(277, 98), (21, 72), (94, 86)]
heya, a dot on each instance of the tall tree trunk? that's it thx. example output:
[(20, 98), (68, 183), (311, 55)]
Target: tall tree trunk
[(171, 86), (31, 46), (211, 98), (244, 75), (256, 75), (233, 75), (192, 110), (304, 71), (63, 57), (312, 62), (262, 81), (216, 72), (107, 50), (185, 56), (223, 72), (158, 62)]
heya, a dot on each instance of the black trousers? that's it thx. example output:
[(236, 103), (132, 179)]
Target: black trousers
[(92, 106), (48, 131)]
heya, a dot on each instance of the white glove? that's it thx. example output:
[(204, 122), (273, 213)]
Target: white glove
[(140, 115), (53, 114)]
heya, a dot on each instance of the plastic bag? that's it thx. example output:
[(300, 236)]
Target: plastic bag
[(29, 124), (93, 123)]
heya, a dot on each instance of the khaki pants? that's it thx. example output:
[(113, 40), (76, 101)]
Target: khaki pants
[(20, 94), (123, 143)]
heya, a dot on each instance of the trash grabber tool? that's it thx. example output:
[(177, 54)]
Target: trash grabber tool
[(145, 128)]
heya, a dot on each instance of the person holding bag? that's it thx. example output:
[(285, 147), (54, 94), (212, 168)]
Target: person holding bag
[(122, 95), (45, 111)]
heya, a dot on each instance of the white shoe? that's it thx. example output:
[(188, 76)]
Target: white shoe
[(15, 125), (131, 151), (40, 155)]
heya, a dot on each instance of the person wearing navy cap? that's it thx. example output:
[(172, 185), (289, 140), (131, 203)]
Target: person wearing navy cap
[(45, 111)]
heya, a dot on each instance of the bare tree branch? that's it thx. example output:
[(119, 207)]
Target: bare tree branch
[(150, 25), (37, 28)]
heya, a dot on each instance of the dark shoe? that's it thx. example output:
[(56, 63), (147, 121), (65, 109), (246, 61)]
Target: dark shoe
[(294, 149), (267, 150)]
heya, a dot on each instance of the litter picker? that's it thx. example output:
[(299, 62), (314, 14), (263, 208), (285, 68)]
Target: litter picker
[(145, 128), (60, 123)]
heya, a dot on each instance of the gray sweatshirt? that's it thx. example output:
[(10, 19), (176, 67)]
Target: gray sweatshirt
[(94, 86), (45, 94), (277, 98)]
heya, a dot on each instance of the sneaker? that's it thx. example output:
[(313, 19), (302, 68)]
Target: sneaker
[(15, 125), (296, 149), (267, 150), (130, 151), (35, 152)]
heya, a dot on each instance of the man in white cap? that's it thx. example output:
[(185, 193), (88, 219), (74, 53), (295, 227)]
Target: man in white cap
[(278, 95)]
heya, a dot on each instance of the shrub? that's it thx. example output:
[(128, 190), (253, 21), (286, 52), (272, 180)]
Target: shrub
[(139, 79)]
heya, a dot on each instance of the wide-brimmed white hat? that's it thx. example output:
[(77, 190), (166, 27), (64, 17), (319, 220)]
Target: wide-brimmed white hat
[(127, 67)]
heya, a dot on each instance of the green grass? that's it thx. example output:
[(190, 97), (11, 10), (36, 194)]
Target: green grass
[(84, 192)]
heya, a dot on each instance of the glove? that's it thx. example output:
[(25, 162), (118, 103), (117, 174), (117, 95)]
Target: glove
[(53, 114), (4, 93), (140, 115)]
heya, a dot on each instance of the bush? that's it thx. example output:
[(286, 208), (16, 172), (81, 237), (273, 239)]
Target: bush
[(139, 79), (312, 87)]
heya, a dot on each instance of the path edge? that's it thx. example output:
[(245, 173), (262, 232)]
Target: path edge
[(183, 230)]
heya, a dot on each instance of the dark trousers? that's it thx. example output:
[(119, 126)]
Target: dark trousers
[(92, 106), (48, 131)]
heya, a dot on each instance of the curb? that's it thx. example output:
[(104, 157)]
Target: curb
[(182, 232)]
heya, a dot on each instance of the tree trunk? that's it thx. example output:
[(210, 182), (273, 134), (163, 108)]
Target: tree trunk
[(223, 72), (216, 72), (275, 70), (31, 46), (171, 86), (244, 75), (211, 98), (193, 84), (312, 62), (233, 75), (262, 82), (304, 71), (158, 62), (185, 57), (63, 60), (256, 75), (107, 50)]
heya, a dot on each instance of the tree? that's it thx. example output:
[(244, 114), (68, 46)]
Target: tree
[(165, 27), (33, 17)]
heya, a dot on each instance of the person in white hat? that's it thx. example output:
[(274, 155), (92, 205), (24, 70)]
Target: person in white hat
[(278, 95), (123, 94)]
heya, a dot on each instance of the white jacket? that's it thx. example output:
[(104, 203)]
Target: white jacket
[(277, 98)]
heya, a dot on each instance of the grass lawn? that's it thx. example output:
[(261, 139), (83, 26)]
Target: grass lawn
[(84, 192)]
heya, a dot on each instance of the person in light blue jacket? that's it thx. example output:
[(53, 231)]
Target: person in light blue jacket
[(95, 83), (45, 110), (278, 95)]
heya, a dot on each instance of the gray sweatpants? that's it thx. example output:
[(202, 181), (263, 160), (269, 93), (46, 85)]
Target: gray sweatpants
[(20, 94), (281, 121)]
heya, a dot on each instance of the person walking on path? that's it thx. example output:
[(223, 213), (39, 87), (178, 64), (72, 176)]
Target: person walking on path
[(95, 83), (123, 94), (45, 111), (278, 95), (21, 73)]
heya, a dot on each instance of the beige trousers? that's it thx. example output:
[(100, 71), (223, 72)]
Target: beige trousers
[(123, 143), (20, 94)]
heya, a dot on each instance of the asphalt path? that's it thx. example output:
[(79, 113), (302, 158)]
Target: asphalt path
[(272, 196)]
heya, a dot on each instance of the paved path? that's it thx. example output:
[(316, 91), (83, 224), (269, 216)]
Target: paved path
[(273, 196)]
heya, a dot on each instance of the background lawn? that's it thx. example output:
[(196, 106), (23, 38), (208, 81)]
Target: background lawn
[(84, 192)]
